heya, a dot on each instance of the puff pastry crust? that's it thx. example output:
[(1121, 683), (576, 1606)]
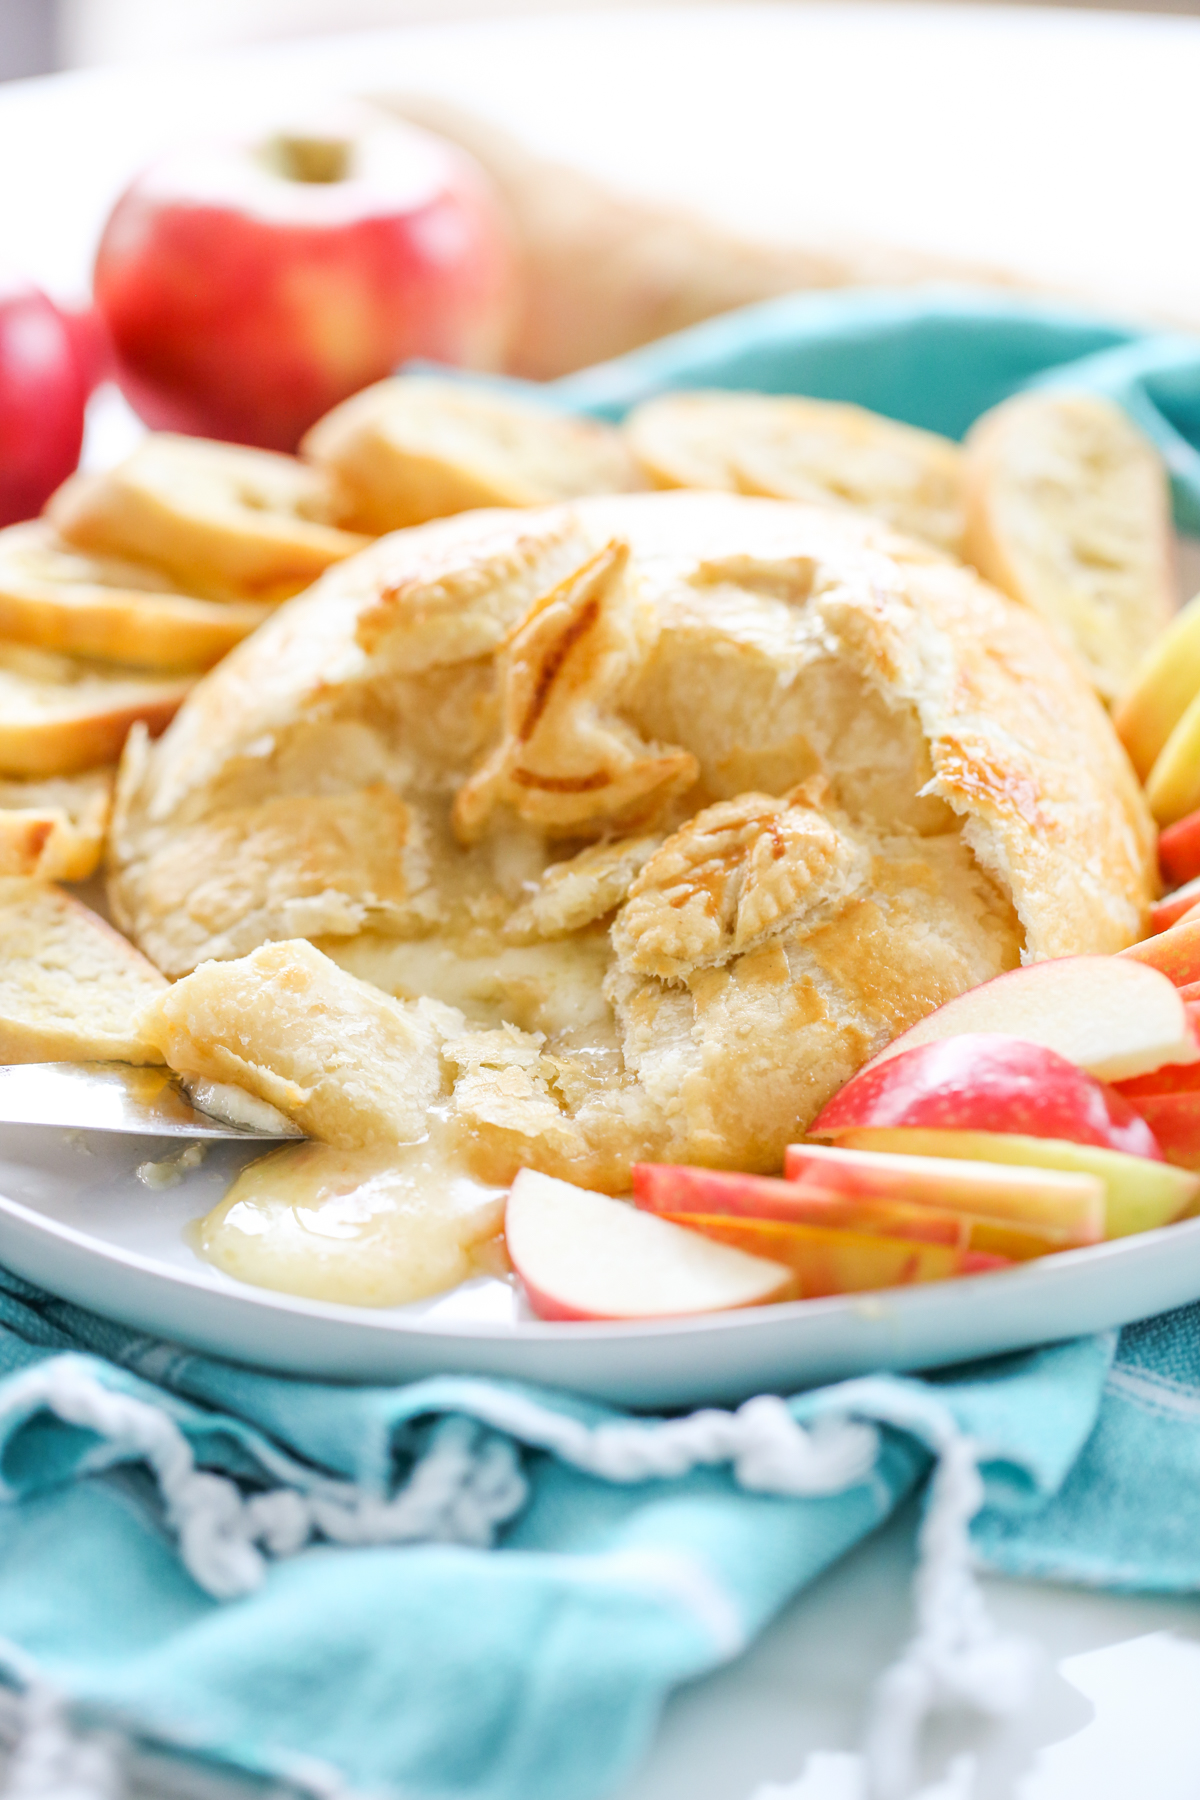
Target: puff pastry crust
[(674, 807)]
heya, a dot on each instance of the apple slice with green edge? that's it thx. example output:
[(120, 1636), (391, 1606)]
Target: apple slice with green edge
[(676, 1192), (985, 1081), (1174, 953), (1091, 1009), (581, 1255), (1051, 1200), (1179, 849), (1169, 911), (841, 1262), (1140, 1195)]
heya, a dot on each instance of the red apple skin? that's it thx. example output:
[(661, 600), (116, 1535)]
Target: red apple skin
[(1179, 850), (243, 304), (1174, 1117), (984, 1081), (1175, 952), (679, 1192), (42, 400)]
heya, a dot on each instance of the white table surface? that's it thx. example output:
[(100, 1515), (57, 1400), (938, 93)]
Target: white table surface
[(1059, 145)]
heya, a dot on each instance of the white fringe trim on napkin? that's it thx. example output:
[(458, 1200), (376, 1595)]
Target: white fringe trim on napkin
[(468, 1482)]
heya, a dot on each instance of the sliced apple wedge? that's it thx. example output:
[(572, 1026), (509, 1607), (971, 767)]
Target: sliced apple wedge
[(1176, 906), (1090, 1009), (584, 1256), (1179, 849), (1173, 784), (1140, 1195), (984, 1081), (1174, 1118), (679, 1192), (1174, 953), (1162, 689), (1051, 1200), (842, 1262)]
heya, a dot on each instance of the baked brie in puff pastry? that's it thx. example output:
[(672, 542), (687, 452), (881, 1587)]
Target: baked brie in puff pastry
[(656, 816)]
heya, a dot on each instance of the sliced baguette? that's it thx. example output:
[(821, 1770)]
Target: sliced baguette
[(413, 449), (1068, 511), (788, 448), (226, 522), (55, 829), (71, 988), (87, 604), (60, 714)]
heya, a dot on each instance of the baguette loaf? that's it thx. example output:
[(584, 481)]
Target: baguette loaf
[(71, 988)]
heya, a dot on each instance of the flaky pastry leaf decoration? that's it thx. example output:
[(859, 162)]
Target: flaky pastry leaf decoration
[(462, 600), (731, 877), (567, 764)]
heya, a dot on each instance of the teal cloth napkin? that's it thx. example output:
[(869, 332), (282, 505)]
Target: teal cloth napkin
[(467, 1588), (534, 1669)]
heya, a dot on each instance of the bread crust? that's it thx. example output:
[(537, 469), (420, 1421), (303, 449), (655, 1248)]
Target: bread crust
[(887, 782), (54, 595), (228, 523), (60, 714), (55, 829), (814, 451)]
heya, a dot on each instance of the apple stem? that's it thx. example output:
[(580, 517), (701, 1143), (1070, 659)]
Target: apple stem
[(303, 156)]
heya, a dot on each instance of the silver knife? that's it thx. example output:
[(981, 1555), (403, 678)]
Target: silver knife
[(149, 1102)]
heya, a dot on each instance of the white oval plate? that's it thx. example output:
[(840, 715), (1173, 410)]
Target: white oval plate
[(74, 1219)]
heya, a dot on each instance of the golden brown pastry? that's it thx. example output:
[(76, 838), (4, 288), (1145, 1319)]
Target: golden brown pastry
[(62, 714), (1068, 510), (63, 598), (787, 448), (416, 448), (71, 988), (685, 805), (55, 829), (226, 522)]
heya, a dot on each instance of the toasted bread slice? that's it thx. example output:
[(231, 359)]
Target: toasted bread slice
[(787, 448), (1068, 510), (60, 714), (55, 829), (63, 598), (413, 449), (71, 988), (226, 522)]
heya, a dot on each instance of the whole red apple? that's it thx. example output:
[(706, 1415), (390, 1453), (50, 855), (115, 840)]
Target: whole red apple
[(249, 288), (42, 396)]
